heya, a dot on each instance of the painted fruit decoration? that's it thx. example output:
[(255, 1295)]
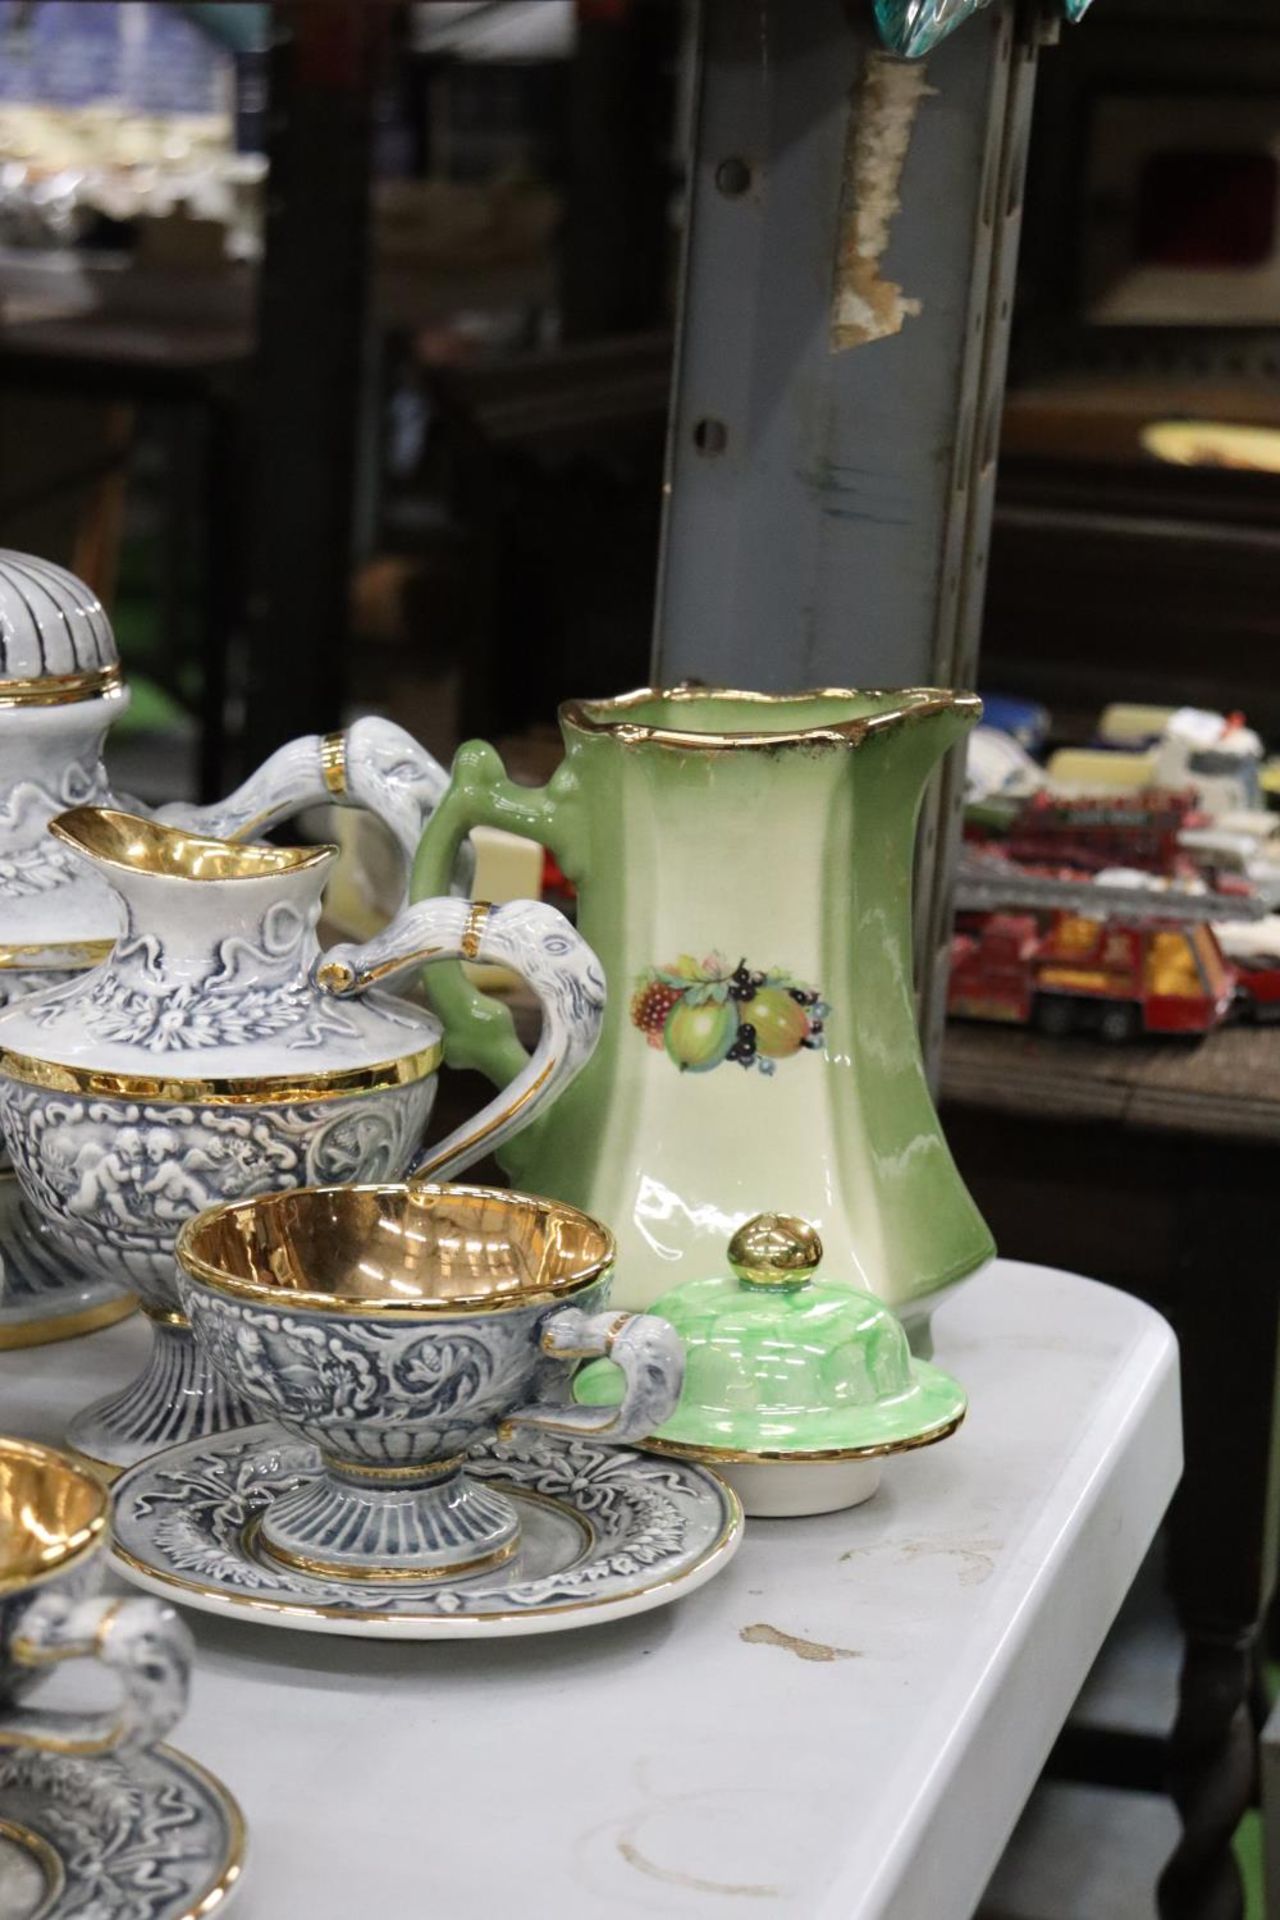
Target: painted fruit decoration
[(704, 1012)]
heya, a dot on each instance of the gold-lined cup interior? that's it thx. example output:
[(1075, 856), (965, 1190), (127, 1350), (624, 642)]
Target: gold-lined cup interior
[(409, 1249), (145, 846), (51, 1509)]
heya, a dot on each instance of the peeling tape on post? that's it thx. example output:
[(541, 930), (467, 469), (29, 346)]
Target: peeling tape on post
[(866, 306)]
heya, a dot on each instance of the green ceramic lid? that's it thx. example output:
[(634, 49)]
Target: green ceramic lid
[(781, 1364)]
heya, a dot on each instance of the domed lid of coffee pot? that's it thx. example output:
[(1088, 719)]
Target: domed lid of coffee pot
[(56, 642), (780, 1364)]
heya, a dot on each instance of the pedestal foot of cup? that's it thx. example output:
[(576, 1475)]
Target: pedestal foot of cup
[(369, 1527), (176, 1397)]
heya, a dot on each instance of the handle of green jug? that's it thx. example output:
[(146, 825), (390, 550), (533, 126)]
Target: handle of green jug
[(479, 1032)]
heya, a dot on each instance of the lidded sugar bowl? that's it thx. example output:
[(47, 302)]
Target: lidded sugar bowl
[(61, 687), (797, 1388)]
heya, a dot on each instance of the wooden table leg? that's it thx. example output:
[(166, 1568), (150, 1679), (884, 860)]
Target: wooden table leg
[(1212, 1776), (1188, 1223), (1221, 1561)]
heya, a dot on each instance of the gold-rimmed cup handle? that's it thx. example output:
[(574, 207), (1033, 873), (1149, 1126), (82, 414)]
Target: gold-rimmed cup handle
[(142, 1643), (648, 1352), (534, 941)]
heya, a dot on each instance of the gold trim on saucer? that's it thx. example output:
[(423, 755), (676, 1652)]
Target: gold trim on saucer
[(266, 1090), (463, 1623), (65, 1326), (375, 1576), (60, 689), (614, 716), (106, 1470), (47, 1858), (232, 1864), (818, 1456)]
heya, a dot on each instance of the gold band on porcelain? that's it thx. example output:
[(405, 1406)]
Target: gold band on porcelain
[(422, 1308), (381, 1576), (463, 1622), (473, 933), (432, 1164), (165, 1316), (611, 716), (817, 1456), (267, 1090), (65, 1326), (46, 956), (48, 1863), (55, 1469), (427, 1475), (333, 763), (135, 844), (60, 689), (232, 1865)]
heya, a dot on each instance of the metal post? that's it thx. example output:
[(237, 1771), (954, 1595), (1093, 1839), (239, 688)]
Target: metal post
[(851, 241)]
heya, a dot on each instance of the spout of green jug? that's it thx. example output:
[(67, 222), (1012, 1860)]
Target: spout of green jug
[(928, 724), (955, 715)]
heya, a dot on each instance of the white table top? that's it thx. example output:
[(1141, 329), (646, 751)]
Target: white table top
[(665, 1764)]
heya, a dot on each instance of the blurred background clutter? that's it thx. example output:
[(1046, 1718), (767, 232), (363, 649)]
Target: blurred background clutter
[(335, 353)]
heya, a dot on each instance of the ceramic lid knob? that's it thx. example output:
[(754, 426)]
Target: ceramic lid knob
[(55, 639), (775, 1250)]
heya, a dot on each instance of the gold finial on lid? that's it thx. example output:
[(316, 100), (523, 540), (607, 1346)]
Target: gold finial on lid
[(775, 1250)]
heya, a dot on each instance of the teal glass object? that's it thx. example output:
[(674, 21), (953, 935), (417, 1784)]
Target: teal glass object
[(914, 27)]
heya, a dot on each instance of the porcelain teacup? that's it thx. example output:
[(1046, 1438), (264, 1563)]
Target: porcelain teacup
[(54, 1521), (395, 1327)]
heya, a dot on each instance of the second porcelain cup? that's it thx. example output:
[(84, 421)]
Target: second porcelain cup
[(396, 1326), (54, 1519)]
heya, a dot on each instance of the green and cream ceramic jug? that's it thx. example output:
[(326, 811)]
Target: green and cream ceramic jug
[(744, 871)]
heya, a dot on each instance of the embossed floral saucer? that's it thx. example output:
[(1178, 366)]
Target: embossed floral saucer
[(605, 1532), (143, 1836), (43, 1296)]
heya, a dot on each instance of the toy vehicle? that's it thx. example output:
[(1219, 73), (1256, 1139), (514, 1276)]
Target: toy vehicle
[(1117, 978), (1254, 952), (1216, 755), (1089, 832)]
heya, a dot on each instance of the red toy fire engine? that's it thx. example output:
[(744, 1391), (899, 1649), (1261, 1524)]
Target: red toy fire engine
[(1112, 978)]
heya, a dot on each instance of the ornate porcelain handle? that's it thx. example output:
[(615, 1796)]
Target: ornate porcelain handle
[(374, 764), (534, 941), (143, 1643), (650, 1354)]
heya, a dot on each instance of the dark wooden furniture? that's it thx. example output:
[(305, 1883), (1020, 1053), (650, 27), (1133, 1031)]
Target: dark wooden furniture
[(1154, 1167), (184, 345)]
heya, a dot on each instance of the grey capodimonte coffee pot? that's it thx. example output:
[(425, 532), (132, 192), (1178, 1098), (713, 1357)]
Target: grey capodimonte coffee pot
[(61, 688)]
